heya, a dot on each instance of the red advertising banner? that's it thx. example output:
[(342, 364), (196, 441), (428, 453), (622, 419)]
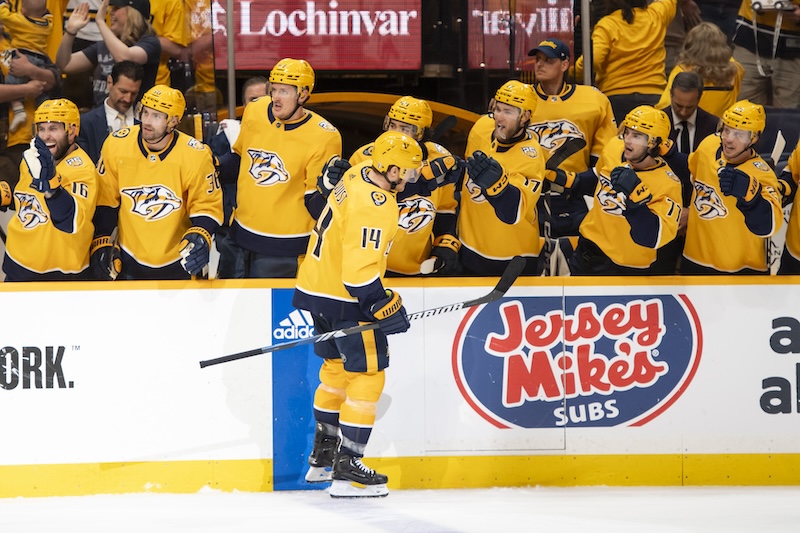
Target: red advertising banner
[(490, 31), (331, 35)]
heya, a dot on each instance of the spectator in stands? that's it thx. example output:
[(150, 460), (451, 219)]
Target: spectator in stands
[(78, 85), (253, 89), (116, 112), (736, 204), (706, 52), (130, 37), (769, 51), (722, 13), (55, 200), (29, 29), (43, 79), (628, 51), (169, 23), (283, 147)]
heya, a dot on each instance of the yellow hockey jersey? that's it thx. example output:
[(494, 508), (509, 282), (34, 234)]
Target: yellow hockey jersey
[(577, 112), (280, 166), (157, 193), (630, 58), (606, 225), (26, 32), (717, 236), (34, 242), (480, 230), (715, 99), (413, 243), (793, 229), (346, 256)]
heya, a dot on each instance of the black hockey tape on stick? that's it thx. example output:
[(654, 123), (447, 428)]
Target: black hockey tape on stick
[(448, 123), (511, 273), (571, 146)]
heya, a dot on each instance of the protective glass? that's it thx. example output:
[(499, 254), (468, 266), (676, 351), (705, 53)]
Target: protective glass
[(410, 175), (635, 138), (736, 134)]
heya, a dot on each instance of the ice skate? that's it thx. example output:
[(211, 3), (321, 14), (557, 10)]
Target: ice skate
[(352, 479), (320, 461)]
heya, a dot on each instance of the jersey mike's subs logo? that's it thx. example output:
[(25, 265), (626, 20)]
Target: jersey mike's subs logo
[(596, 362)]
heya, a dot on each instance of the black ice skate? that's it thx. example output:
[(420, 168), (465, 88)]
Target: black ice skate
[(352, 479), (320, 461)]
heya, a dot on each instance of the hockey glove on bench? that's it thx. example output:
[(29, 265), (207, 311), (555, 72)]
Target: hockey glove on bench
[(105, 260), (487, 174), (195, 247), (624, 180), (42, 167), (734, 182), (332, 173)]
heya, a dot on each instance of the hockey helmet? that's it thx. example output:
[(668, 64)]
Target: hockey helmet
[(648, 120), (397, 149), (59, 110), (411, 111), (166, 100), (296, 72), (517, 94), (745, 115)]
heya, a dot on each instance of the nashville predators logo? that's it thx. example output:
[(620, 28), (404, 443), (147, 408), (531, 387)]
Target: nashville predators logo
[(609, 201), (267, 168), (29, 210), (554, 133), (762, 166), (153, 202), (707, 202), (475, 192), (416, 213)]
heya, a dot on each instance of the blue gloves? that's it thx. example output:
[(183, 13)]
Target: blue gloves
[(195, 247), (332, 173), (734, 182), (390, 313), (42, 166), (625, 180), (487, 174), (442, 170), (105, 258)]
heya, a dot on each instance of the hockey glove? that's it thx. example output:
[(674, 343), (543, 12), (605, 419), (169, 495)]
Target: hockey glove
[(487, 174), (105, 258), (441, 171), (194, 251), (560, 177), (734, 182), (332, 173), (6, 196), (390, 313), (445, 250), (42, 166), (625, 180)]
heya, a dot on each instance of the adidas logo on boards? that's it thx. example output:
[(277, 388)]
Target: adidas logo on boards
[(298, 325)]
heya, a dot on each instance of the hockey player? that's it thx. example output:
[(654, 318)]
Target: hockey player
[(498, 217), (736, 204), (788, 180), (160, 188), (49, 237), (566, 111), (427, 207), (283, 147), (341, 283), (637, 201)]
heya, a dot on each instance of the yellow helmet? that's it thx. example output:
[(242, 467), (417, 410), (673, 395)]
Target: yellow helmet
[(59, 110), (745, 115), (397, 149), (517, 94), (412, 111), (296, 72), (166, 100), (650, 121)]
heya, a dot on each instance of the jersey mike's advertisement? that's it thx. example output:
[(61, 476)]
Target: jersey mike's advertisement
[(594, 362)]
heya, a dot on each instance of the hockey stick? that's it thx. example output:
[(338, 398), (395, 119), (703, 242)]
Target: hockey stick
[(511, 273), (774, 244), (448, 123), (571, 146)]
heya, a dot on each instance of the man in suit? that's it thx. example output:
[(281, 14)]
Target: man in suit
[(117, 110), (690, 123)]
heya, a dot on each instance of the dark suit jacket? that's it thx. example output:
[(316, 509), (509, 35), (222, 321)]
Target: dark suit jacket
[(705, 125), (94, 130)]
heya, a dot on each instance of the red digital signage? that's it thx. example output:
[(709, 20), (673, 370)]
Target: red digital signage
[(490, 29), (331, 35)]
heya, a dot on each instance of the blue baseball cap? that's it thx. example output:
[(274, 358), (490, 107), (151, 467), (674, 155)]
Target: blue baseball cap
[(552, 48)]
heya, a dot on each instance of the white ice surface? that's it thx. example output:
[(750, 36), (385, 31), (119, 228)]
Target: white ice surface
[(562, 510)]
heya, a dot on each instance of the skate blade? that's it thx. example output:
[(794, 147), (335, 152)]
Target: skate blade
[(318, 474), (347, 489)]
